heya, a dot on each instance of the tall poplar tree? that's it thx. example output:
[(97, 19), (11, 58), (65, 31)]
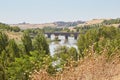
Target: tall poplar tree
[(27, 43)]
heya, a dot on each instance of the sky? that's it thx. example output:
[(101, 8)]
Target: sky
[(45, 11)]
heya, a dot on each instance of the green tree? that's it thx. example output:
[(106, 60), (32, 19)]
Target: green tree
[(2, 73), (73, 53), (13, 50), (40, 43), (97, 38), (27, 43), (66, 53), (3, 42), (4, 27), (15, 29), (22, 67)]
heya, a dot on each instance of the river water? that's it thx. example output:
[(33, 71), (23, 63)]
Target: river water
[(71, 42)]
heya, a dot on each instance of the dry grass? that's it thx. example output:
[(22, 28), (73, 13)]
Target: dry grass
[(92, 67), (41, 75), (14, 35), (95, 21), (31, 26)]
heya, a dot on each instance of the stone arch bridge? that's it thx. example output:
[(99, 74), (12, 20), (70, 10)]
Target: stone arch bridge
[(66, 34)]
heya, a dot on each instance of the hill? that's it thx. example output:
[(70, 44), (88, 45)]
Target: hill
[(54, 24), (29, 26), (68, 24), (62, 24)]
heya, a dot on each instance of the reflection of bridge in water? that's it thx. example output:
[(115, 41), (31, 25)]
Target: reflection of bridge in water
[(66, 34)]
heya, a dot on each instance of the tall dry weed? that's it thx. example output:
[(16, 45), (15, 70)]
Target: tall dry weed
[(92, 67)]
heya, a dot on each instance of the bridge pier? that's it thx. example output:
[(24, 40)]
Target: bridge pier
[(75, 37), (56, 37), (66, 37), (49, 35)]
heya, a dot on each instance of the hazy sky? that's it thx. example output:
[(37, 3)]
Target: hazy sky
[(42, 11)]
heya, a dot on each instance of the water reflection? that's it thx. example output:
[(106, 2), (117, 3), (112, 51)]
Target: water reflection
[(71, 42)]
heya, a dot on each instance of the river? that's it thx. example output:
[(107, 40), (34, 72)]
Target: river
[(71, 42)]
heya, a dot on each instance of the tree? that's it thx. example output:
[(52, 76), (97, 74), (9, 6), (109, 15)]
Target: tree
[(81, 43), (66, 53), (4, 26), (2, 73), (97, 38), (40, 43), (12, 49), (73, 53), (27, 43), (3, 42), (15, 29)]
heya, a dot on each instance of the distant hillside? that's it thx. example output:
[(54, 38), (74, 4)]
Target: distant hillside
[(29, 26), (68, 24), (95, 21), (112, 21), (106, 22), (109, 22), (54, 24)]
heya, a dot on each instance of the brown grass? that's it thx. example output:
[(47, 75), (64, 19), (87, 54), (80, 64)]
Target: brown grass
[(92, 67), (14, 35), (31, 26), (95, 21)]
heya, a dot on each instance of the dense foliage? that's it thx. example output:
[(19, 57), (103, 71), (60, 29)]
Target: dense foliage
[(19, 61), (103, 37), (16, 61), (8, 28)]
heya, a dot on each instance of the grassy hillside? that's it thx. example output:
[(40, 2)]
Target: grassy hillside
[(30, 26)]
